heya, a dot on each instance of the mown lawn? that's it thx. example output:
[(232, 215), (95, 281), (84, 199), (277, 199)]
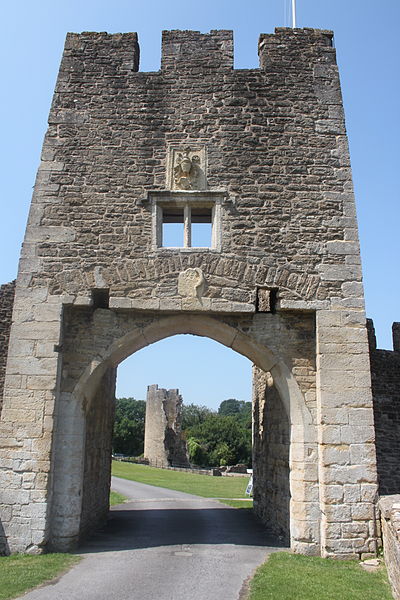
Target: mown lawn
[(290, 576), (200, 485), (21, 572), (238, 503), (116, 498)]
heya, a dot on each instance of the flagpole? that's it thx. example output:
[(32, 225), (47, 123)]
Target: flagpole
[(294, 14)]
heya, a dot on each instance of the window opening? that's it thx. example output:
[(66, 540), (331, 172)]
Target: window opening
[(173, 227), (201, 227), (187, 221), (187, 227)]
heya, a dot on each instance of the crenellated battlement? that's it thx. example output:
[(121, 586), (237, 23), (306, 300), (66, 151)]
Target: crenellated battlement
[(189, 50), (185, 50), (372, 337)]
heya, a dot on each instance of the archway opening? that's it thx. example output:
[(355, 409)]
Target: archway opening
[(214, 384), (206, 373), (89, 399)]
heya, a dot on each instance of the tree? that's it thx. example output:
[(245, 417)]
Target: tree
[(197, 451), (223, 439), (234, 407), (193, 414), (128, 435)]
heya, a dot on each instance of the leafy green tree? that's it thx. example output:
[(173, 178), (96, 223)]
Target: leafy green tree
[(223, 455), (197, 451), (128, 435), (223, 438), (235, 407), (193, 414)]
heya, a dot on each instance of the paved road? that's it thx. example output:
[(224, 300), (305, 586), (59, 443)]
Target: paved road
[(165, 545)]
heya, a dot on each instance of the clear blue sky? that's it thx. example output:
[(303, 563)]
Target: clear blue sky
[(366, 37)]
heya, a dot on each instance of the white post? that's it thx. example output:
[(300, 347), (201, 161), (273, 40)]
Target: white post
[(293, 14)]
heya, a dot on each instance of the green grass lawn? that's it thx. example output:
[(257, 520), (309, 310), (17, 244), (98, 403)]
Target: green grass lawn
[(238, 503), (116, 498), (21, 572), (200, 485), (291, 576)]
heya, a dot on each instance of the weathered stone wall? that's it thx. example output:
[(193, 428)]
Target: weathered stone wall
[(271, 446), (90, 334), (98, 442), (390, 520), (272, 136), (385, 376), (7, 292), (163, 441)]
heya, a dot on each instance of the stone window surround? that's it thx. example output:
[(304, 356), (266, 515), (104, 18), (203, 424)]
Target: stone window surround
[(186, 200)]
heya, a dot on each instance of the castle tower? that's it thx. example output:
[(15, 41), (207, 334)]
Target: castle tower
[(163, 442), (259, 160)]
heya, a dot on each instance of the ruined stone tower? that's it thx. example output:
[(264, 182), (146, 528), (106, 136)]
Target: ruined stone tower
[(163, 442), (259, 159)]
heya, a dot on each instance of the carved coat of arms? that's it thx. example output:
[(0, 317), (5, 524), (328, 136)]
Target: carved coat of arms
[(186, 169), (191, 283)]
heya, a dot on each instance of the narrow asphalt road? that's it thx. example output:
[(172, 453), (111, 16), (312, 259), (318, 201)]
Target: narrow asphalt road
[(165, 545)]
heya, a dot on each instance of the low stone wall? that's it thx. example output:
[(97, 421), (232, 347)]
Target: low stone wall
[(390, 517), (7, 292)]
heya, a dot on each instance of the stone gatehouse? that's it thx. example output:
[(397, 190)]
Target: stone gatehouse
[(258, 159)]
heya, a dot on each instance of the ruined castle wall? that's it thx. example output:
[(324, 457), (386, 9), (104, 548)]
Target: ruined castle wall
[(7, 292), (163, 441), (385, 376)]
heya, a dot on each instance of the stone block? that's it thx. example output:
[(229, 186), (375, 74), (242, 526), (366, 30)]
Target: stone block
[(332, 494), (41, 382), (369, 492), (341, 474), (335, 455), (362, 454), (304, 491), (357, 434), (343, 247), (363, 511), (330, 434), (337, 513), (352, 493), (334, 416)]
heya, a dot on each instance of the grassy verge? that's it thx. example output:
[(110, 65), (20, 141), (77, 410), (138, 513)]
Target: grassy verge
[(200, 485), (287, 576), (116, 498), (237, 503), (20, 572)]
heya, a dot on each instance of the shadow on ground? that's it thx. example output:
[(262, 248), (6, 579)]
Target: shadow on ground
[(130, 528)]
